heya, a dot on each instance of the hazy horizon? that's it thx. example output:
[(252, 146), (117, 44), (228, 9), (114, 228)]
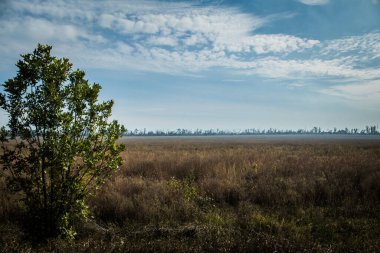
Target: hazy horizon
[(285, 64)]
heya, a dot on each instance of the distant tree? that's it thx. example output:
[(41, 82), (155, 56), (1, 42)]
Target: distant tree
[(373, 130), (58, 145)]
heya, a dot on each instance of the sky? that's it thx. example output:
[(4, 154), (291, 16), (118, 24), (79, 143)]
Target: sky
[(227, 64)]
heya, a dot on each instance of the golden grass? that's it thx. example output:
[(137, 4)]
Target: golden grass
[(236, 194)]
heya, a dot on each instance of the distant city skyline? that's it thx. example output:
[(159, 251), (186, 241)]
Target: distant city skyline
[(284, 64)]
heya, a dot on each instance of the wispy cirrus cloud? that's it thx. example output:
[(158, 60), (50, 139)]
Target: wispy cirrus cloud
[(356, 91), (314, 2)]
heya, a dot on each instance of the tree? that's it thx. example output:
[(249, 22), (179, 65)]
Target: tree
[(58, 145)]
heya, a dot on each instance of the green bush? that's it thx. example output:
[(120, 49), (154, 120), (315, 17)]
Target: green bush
[(58, 145)]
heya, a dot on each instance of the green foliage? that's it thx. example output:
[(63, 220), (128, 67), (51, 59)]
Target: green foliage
[(58, 145), (189, 187)]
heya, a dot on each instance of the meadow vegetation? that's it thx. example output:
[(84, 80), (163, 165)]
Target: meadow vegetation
[(226, 195)]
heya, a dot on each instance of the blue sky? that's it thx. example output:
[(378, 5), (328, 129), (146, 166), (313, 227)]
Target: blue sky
[(285, 64)]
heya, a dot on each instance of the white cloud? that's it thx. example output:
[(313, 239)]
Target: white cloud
[(262, 44), (143, 24), (358, 91), (106, 20), (126, 25), (195, 39), (163, 40), (293, 86), (20, 34), (59, 9), (223, 29), (314, 2), (307, 69), (366, 46)]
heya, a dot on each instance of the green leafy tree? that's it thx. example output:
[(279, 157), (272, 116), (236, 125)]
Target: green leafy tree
[(58, 145)]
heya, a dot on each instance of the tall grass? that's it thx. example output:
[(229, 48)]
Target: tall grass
[(195, 195)]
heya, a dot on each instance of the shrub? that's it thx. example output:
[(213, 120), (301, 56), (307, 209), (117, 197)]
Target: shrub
[(62, 144)]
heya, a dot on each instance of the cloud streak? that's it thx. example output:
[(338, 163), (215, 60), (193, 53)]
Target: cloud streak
[(356, 91), (314, 2)]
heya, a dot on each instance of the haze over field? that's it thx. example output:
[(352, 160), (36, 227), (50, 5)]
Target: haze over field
[(213, 64)]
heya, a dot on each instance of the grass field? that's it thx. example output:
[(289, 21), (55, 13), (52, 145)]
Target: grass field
[(227, 194)]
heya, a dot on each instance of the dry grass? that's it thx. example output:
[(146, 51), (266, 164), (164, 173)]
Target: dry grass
[(232, 194)]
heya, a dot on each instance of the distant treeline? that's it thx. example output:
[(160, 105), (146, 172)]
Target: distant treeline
[(368, 130)]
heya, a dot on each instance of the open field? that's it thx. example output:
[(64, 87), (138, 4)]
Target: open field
[(228, 194)]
